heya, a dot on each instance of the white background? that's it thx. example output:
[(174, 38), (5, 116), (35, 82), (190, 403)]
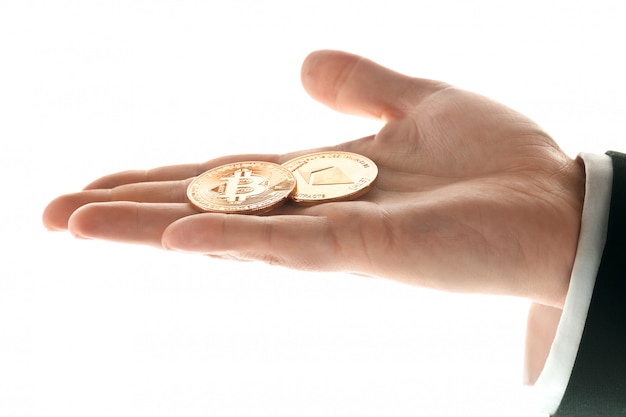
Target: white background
[(92, 87)]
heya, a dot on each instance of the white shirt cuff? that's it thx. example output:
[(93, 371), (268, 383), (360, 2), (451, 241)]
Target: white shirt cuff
[(550, 387)]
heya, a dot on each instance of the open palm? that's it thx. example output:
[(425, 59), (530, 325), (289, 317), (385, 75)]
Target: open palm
[(471, 195)]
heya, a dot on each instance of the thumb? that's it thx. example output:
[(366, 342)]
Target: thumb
[(356, 85), (293, 241)]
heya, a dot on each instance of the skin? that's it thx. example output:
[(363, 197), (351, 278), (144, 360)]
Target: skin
[(472, 196)]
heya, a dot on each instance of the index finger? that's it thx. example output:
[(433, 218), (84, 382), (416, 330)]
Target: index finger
[(171, 172)]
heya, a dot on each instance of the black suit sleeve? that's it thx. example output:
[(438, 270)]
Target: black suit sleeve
[(597, 385)]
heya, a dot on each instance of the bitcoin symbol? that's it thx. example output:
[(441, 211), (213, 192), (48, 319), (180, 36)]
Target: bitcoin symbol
[(249, 187), (241, 185)]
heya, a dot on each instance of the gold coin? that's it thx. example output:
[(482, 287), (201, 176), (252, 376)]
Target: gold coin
[(331, 176), (250, 187)]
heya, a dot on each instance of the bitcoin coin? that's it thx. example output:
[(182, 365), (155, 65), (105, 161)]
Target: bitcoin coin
[(250, 187), (331, 176)]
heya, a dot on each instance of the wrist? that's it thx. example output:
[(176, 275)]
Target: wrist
[(574, 189)]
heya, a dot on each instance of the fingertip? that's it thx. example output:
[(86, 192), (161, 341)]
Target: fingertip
[(49, 220), (54, 216), (316, 59), (356, 85), (323, 72), (57, 213), (170, 239), (353, 84), (78, 226), (179, 236)]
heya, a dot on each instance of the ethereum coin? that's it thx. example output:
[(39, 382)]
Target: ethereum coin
[(250, 187), (331, 176)]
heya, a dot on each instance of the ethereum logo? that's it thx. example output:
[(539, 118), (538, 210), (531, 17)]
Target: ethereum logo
[(325, 176)]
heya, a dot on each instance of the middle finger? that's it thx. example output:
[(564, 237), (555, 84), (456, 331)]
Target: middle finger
[(127, 222), (59, 210)]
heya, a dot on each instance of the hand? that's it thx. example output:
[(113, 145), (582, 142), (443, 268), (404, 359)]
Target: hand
[(471, 196)]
